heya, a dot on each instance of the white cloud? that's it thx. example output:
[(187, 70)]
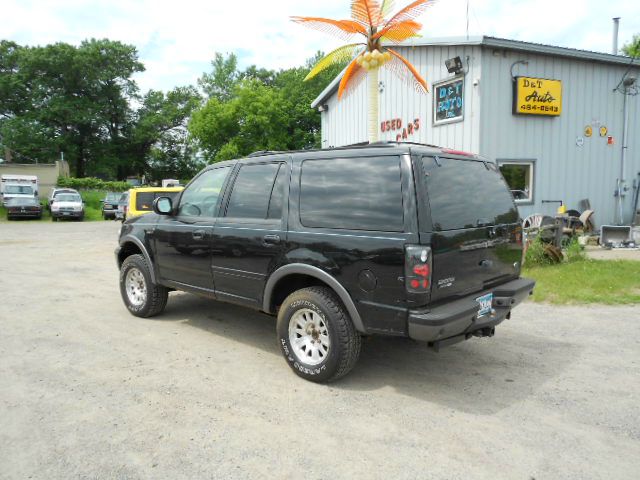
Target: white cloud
[(177, 40)]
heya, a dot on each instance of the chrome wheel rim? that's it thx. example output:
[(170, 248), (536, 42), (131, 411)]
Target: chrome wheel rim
[(136, 287), (309, 336)]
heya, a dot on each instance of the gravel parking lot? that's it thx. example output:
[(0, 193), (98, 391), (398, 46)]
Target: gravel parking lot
[(88, 391)]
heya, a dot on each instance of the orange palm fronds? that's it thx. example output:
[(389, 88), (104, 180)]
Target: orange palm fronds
[(352, 71), (344, 29), (368, 19), (399, 32), (410, 12), (366, 12), (419, 83)]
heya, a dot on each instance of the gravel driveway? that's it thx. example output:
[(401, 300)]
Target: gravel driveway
[(88, 391)]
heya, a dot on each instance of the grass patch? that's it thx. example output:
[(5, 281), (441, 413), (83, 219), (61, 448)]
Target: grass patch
[(611, 282)]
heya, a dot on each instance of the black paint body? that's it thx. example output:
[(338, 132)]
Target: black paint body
[(233, 259)]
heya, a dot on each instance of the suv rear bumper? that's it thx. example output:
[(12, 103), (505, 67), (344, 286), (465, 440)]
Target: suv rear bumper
[(458, 320)]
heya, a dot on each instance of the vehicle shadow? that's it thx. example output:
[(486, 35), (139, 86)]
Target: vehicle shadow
[(480, 376)]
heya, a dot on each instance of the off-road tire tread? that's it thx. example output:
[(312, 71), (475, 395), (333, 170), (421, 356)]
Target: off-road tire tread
[(349, 338), (157, 295)]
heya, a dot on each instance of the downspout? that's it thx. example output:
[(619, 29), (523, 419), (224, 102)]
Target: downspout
[(623, 159)]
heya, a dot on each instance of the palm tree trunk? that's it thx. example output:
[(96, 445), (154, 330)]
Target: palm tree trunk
[(374, 95)]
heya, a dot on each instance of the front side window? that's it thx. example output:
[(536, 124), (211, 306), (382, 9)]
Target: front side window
[(519, 177), (352, 193), (252, 191), (200, 198), (466, 194)]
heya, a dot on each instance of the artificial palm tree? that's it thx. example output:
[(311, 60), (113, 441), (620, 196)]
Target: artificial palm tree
[(371, 19)]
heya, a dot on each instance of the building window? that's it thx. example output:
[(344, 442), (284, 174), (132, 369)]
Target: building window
[(519, 175)]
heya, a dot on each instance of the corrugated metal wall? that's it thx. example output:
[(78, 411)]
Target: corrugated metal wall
[(564, 170), (345, 121)]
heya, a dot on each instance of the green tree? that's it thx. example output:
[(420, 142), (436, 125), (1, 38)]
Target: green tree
[(265, 110), (159, 145), (223, 78), (79, 101), (632, 49), (74, 100)]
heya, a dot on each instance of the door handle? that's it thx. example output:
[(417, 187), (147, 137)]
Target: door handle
[(198, 234), (271, 239)]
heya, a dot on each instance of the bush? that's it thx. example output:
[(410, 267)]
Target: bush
[(574, 251), (92, 183), (536, 255)]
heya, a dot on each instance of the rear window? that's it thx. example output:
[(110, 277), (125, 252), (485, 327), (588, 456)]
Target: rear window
[(144, 200), (352, 193), (466, 194)]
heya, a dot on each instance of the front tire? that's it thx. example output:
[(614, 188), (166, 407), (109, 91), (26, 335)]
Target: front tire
[(316, 335), (141, 296)]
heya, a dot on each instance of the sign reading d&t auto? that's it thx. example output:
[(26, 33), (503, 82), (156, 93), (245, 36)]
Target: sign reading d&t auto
[(537, 96)]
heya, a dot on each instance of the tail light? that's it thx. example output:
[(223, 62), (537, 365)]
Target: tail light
[(417, 268)]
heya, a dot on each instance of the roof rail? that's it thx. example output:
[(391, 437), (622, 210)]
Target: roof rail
[(259, 153)]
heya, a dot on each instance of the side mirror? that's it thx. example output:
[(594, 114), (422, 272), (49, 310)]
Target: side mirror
[(163, 206)]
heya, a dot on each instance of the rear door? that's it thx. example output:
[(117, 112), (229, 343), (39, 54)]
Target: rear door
[(353, 219), (474, 226)]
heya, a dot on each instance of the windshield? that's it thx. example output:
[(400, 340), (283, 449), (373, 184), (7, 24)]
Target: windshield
[(68, 197), (112, 197), (18, 190), (29, 201)]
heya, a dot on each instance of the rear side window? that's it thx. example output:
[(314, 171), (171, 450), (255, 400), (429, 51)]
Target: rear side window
[(352, 193), (467, 194), (252, 190), (144, 200)]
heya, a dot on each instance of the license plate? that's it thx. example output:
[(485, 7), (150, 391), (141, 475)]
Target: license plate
[(485, 303), (66, 214)]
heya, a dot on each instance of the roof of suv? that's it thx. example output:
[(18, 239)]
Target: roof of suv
[(359, 148)]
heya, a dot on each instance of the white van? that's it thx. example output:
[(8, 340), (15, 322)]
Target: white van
[(17, 186)]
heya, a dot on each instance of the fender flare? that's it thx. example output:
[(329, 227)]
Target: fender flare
[(145, 253), (303, 269)]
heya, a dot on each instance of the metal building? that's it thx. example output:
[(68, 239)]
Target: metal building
[(553, 118)]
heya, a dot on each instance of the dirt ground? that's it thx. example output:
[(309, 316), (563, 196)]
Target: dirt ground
[(88, 391), (598, 253)]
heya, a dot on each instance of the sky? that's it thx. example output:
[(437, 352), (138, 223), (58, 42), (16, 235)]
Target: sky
[(177, 40)]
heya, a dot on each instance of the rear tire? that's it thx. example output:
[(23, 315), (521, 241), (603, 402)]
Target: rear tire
[(141, 296), (316, 335)]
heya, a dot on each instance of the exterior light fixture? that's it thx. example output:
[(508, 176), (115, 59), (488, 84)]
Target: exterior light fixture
[(454, 65)]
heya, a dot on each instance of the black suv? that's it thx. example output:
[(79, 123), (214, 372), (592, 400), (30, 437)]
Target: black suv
[(390, 239)]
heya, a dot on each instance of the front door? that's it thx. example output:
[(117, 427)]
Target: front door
[(250, 234), (183, 241)]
